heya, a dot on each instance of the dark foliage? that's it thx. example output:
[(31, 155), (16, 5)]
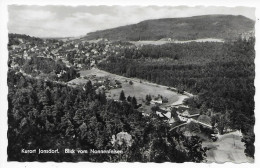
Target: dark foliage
[(48, 115), (221, 75), (189, 28)]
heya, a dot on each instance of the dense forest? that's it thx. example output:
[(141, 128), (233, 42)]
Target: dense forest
[(221, 75), (47, 115), (40, 66), (184, 28), (14, 39)]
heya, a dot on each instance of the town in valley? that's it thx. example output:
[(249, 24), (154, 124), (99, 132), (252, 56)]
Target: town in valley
[(162, 90)]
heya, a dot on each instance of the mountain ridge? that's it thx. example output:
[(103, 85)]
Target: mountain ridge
[(184, 28)]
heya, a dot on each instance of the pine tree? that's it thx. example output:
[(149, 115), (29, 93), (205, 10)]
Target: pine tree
[(122, 96), (129, 98), (148, 98), (134, 102), (88, 87)]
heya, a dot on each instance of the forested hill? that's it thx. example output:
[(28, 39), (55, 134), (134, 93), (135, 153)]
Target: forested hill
[(221, 75), (189, 28)]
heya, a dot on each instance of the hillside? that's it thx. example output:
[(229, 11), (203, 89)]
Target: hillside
[(189, 28)]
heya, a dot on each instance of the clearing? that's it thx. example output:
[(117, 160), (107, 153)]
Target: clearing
[(161, 42), (228, 148), (139, 88)]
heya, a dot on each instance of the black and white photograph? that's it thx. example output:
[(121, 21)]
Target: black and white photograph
[(130, 83)]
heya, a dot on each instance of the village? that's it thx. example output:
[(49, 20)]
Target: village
[(64, 57), (165, 104)]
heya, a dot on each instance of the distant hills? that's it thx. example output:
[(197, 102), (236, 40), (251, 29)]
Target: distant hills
[(189, 28)]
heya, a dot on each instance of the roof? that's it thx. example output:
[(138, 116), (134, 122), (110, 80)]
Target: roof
[(168, 115), (204, 119), (171, 120), (161, 114), (186, 113), (162, 111)]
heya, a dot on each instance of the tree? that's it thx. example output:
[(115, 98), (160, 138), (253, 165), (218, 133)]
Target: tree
[(46, 98), (249, 139), (221, 120), (88, 87), (155, 108), (122, 96), (148, 98), (134, 102), (129, 98), (102, 96), (196, 152)]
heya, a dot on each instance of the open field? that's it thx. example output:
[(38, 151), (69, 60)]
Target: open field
[(228, 148), (161, 42), (139, 88)]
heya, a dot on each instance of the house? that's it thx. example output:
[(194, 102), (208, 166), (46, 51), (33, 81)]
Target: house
[(204, 119), (15, 47), (183, 118), (163, 113), (79, 65), (159, 114), (166, 116), (158, 101), (171, 121), (94, 51), (185, 113), (182, 106), (145, 114)]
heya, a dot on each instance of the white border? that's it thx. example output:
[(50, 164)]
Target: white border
[(191, 3)]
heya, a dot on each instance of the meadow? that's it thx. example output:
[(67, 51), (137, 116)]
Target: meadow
[(138, 88)]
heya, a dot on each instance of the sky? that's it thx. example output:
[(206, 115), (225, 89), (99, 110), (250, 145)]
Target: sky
[(70, 21)]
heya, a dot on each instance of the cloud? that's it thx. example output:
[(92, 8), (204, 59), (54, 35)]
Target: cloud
[(35, 14), (64, 21)]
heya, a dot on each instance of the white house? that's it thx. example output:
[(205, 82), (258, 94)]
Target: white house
[(164, 114), (159, 101)]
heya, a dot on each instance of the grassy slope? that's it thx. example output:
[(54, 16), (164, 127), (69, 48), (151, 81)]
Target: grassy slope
[(139, 90)]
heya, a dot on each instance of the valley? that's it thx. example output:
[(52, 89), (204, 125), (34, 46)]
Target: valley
[(163, 95)]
